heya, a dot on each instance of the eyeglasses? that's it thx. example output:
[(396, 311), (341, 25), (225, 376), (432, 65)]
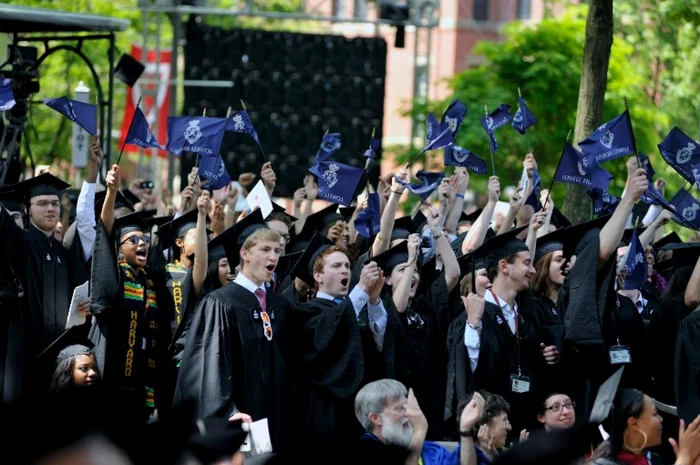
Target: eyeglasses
[(136, 239), (556, 408), (46, 203)]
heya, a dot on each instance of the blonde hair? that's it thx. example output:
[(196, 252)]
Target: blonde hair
[(261, 235)]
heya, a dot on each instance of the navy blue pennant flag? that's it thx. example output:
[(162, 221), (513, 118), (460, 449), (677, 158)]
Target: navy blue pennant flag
[(636, 266), (421, 190), (371, 152), (214, 171), (523, 118), (428, 177), (653, 197), (7, 98), (494, 120), (613, 139), (437, 135), (329, 145), (337, 182), (696, 174), (197, 134), (82, 114), (367, 223), (681, 152), (575, 168), (458, 156), (603, 202), (687, 210), (454, 116), (646, 164), (140, 132), (240, 122), (534, 198)]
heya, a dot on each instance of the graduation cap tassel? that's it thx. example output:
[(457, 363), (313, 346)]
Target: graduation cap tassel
[(262, 150), (493, 163), (551, 184), (127, 132), (636, 152)]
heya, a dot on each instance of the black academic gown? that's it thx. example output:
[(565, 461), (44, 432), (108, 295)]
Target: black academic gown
[(327, 364), (228, 362), (499, 353), (663, 334), (48, 273), (459, 373), (593, 322), (688, 368), (549, 321), (130, 340)]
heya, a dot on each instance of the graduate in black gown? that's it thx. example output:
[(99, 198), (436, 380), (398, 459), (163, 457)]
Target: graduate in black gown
[(130, 330), (328, 362), (506, 355), (12, 318), (233, 358), (594, 335), (48, 272)]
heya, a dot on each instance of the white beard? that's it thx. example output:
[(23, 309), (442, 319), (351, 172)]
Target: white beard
[(394, 433)]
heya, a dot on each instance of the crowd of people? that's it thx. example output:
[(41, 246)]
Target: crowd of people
[(453, 335)]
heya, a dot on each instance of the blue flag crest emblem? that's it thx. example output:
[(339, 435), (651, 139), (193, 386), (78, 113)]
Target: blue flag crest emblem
[(607, 138), (193, 133), (331, 175), (684, 154)]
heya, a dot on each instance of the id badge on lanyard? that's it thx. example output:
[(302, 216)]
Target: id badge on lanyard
[(619, 354), (519, 384)]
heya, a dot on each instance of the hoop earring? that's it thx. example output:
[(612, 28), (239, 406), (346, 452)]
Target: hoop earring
[(632, 449)]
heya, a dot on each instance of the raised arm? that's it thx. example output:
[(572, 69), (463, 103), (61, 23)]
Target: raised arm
[(476, 235), (401, 290), (110, 197), (383, 239), (201, 254), (449, 260), (536, 223), (611, 234), (461, 183)]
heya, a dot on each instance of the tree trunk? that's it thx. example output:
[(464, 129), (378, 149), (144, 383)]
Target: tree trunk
[(591, 95)]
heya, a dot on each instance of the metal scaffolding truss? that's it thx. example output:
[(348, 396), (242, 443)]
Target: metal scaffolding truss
[(341, 16)]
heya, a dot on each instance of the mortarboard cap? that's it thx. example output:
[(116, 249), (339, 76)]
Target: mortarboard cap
[(128, 70), (627, 236), (277, 208), (575, 234), (456, 244), (286, 264), (471, 217), (671, 238), (129, 223), (216, 439), (304, 267), (44, 184), (324, 217), (12, 201), (559, 220), (239, 233), (403, 227), (684, 254), (389, 259), (122, 201), (72, 341), (550, 243), (158, 220), (501, 246), (177, 228), (470, 262), (605, 397), (299, 242), (346, 212), (215, 248), (418, 221)]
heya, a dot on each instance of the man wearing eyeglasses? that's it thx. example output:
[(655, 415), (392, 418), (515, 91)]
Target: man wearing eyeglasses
[(47, 271)]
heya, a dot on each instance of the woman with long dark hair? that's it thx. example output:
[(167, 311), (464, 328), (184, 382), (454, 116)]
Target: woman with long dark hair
[(636, 426)]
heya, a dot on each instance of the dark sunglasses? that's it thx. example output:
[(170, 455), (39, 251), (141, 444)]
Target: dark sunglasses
[(136, 239)]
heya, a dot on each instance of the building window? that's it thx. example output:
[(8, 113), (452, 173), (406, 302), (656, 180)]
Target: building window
[(524, 9), (481, 10)]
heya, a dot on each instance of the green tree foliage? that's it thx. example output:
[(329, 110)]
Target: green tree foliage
[(544, 61)]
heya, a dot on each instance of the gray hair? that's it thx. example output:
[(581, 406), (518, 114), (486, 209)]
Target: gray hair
[(373, 399)]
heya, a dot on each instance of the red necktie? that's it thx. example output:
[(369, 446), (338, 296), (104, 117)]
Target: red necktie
[(262, 300)]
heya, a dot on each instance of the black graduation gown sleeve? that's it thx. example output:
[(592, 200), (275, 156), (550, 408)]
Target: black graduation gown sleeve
[(550, 326), (459, 373), (228, 362), (688, 368), (663, 333), (105, 279), (327, 363)]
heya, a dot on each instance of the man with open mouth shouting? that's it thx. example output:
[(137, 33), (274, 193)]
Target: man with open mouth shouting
[(328, 352), (232, 360)]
